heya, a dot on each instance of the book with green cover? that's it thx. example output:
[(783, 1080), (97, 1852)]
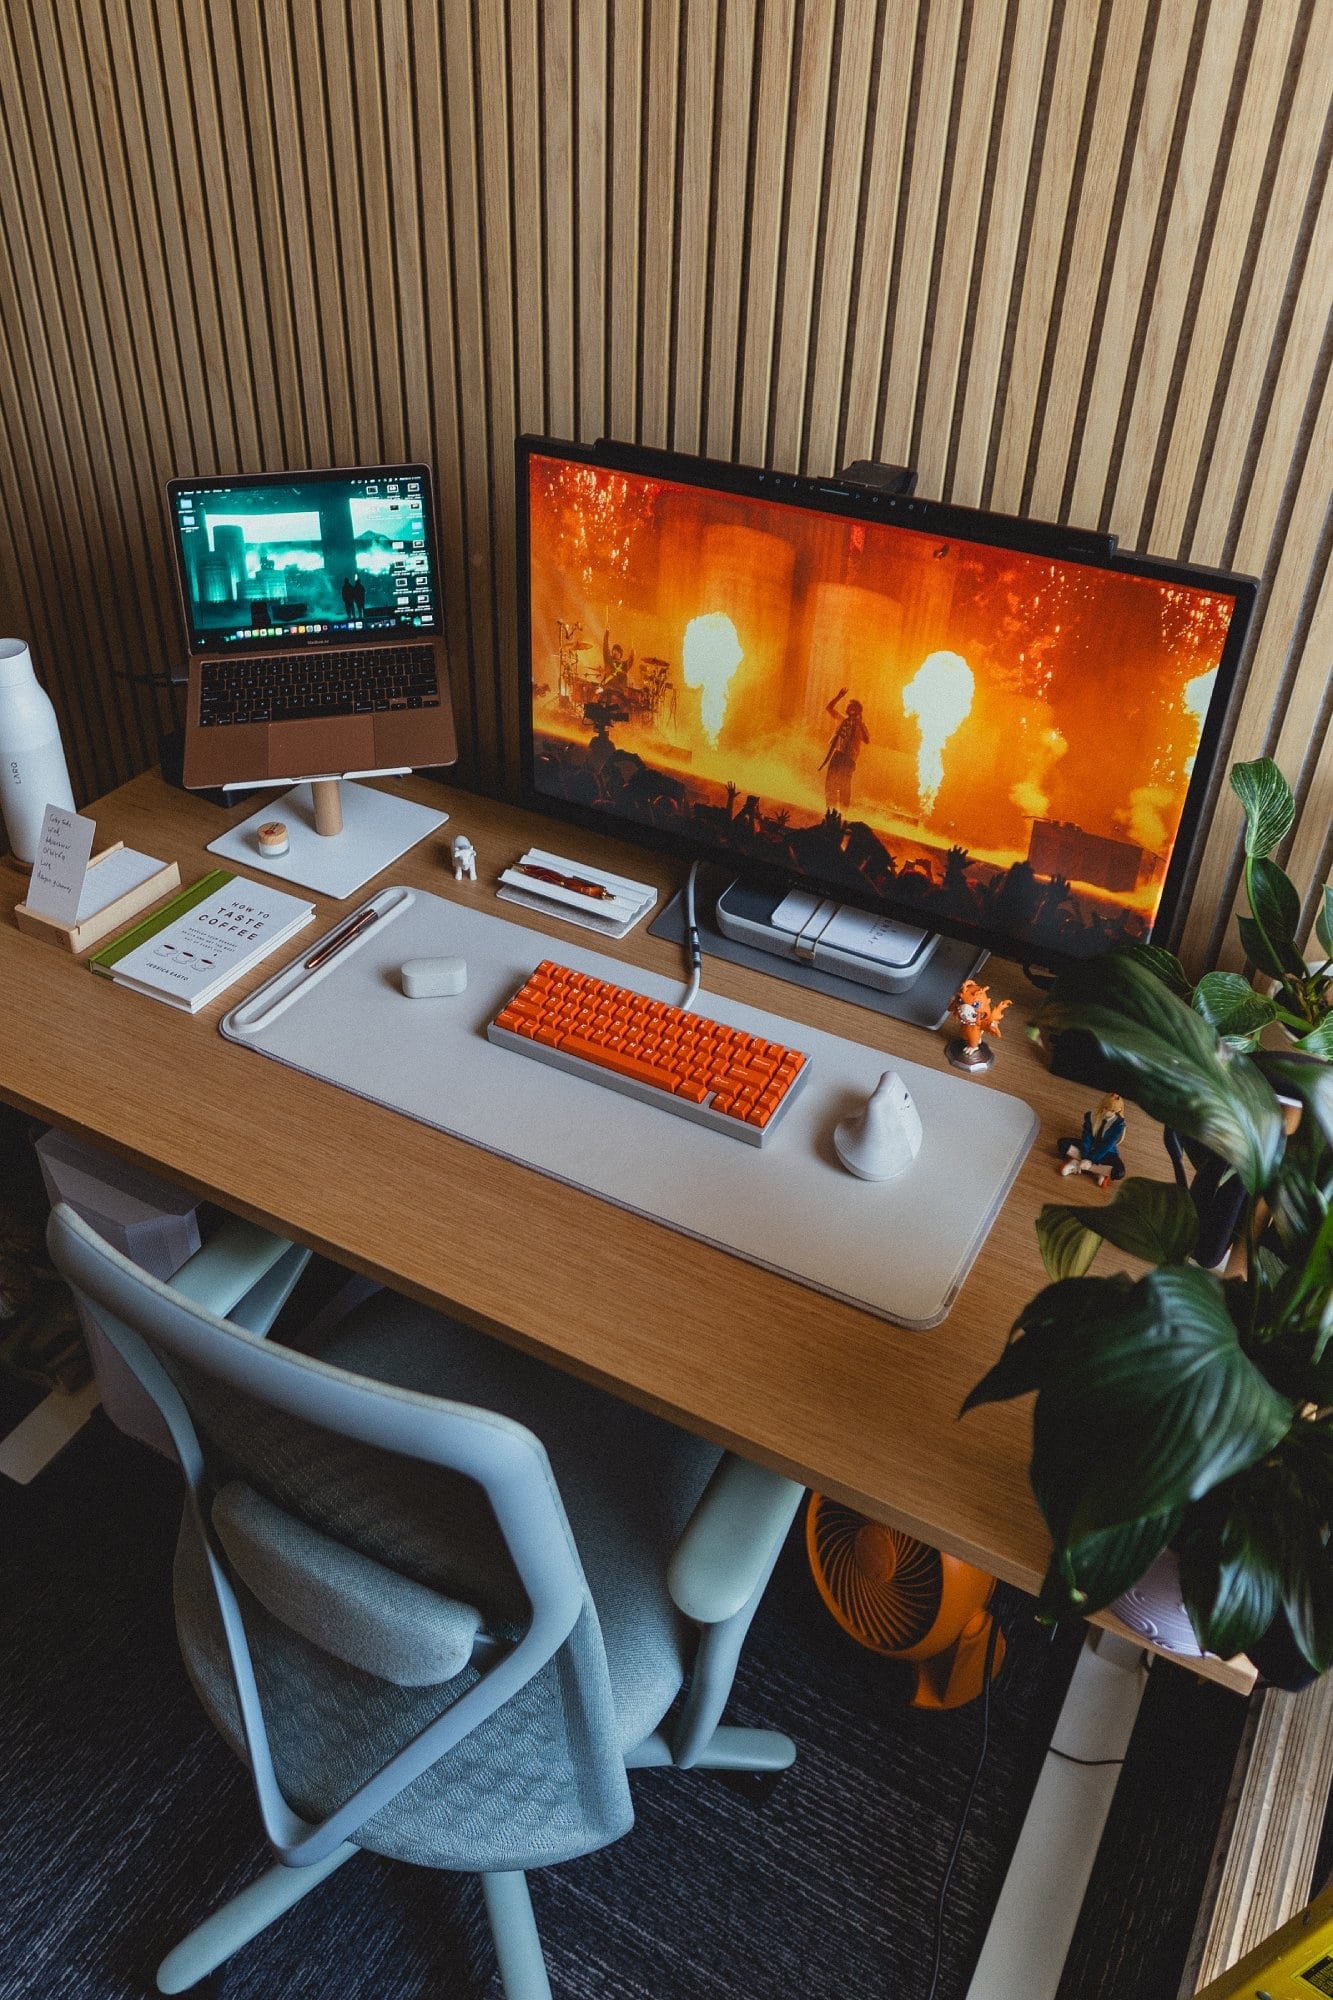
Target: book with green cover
[(203, 939), (103, 961)]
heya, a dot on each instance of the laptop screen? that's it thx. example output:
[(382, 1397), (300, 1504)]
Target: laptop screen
[(305, 558)]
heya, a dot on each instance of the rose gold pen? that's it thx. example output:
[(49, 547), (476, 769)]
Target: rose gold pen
[(574, 882), (340, 938)]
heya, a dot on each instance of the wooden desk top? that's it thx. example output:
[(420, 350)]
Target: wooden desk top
[(858, 1409)]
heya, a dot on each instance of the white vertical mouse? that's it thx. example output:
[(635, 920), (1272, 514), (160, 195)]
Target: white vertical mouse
[(880, 1141)]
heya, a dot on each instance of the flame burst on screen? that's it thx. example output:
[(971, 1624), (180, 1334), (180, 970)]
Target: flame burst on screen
[(997, 738)]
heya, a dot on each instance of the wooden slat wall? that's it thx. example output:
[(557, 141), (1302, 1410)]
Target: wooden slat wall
[(1071, 258)]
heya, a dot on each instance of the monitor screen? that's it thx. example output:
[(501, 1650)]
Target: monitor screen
[(305, 557), (841, 691)]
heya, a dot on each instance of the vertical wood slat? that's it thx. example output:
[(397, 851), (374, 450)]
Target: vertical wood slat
[(1040, 302), (1069, 325), (999, 249), (951, 279), (626, 245), (775, 29), (689, 313), (444, 426), (1162, 310), (48, 350), (560, 271), (814, 58), (1076, 256), (1127, 276), (882, 182), (907, 347), (730, 146), (826, 364)]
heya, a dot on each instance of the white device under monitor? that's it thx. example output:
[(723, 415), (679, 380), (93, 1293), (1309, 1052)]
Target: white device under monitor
[(858, 945)]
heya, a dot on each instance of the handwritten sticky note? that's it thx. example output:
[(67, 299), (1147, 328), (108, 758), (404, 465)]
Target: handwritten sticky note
[(63, 848)]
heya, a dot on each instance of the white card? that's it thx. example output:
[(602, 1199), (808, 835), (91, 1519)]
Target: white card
[(63, 848)]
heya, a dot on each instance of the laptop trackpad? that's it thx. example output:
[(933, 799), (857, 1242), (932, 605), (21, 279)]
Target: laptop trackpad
[(332, 745)]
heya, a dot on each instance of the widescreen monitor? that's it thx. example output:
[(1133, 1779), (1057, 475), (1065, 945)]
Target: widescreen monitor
[(840, 691)]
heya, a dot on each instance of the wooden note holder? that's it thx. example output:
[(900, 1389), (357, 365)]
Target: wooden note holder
[(78, 937)]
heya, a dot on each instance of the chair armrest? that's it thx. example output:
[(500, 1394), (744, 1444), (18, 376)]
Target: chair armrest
[(731, 1540), (237, 1262)]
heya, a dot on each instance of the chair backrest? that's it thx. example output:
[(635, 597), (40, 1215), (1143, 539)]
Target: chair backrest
[(344, 1503)]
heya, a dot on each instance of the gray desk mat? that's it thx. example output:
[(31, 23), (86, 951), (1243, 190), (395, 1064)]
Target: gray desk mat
[(900, 1249)]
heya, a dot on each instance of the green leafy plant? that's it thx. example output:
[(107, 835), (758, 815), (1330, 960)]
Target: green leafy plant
[(1182, 1408), (1303, 1002)]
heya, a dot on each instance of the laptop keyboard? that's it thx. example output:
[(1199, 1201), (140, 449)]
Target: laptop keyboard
[(300, 687)]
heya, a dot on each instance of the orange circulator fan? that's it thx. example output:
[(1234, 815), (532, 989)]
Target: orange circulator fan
[(905, 1600)]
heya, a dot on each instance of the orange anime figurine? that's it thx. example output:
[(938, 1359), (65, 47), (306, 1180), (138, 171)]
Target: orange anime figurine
[(971, 1008)]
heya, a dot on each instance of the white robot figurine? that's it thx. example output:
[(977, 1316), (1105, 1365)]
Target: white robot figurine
[(464, 858)]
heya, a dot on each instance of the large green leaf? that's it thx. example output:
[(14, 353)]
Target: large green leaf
[(1276, 908), (1231, 1567), (1163, 964), (1067, 1245), (1259, 1544), (1319, 1041), (1270, 809), (1311, 1294), (1155, 1403), (1231, 1006), (1169, 1061), (1258, 948), (1308, 1596), (1323, 923), (1305, 1464), (1150, 1219), (1050, 1338), (1099, 1568)]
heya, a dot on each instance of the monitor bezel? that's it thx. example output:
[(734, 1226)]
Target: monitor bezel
[(211, 645), (1084, 547)]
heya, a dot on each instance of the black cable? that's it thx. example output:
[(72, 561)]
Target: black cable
[(145, 680), (991, 1642), (1088, 1763)]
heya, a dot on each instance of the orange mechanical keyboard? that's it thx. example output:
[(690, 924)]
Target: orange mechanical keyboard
[(720, 1077)]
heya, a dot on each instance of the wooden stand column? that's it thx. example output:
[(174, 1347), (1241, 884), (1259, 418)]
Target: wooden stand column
[(327, 793)]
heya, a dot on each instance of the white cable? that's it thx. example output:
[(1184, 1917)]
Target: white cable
[(692, 944)]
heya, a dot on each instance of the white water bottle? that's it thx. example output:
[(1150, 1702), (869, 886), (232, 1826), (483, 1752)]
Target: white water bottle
[(33, 773)]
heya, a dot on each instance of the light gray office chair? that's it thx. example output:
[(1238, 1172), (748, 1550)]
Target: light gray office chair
[(438, 1596)]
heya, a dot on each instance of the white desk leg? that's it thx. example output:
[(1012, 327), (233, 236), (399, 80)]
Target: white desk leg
[(1028, 1941)]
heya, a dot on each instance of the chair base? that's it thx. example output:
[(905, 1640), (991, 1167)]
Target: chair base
[(728, 1749), (505, 1893), (248, 1913), (514, 1932)]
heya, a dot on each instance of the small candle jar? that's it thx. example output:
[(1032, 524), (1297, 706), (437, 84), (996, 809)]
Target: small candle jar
[(272, 838)]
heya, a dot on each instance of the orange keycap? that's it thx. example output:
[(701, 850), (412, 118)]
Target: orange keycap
[(617, 1060)]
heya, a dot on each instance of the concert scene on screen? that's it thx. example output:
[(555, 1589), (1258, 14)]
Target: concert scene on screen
[(265, 560), (999, 739)]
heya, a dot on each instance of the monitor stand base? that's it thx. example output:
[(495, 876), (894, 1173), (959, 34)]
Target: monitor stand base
[(923, 1004), (376, 827), (816, 930)]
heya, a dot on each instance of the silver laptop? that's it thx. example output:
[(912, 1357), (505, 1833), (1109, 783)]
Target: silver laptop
[(313, 621)]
